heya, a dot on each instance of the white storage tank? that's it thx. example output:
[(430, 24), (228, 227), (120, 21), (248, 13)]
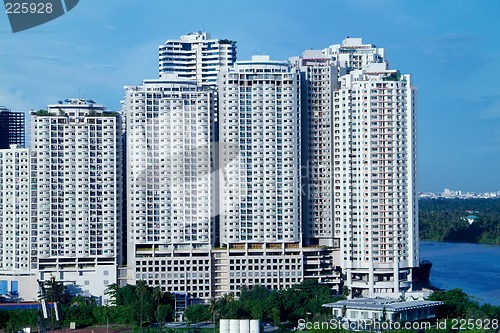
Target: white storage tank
[(234, 326), (245, 326), (255, 326), (224, 326)]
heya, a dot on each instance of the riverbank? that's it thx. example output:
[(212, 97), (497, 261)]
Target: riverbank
[(460, 220), (456, 242), (474, 268)]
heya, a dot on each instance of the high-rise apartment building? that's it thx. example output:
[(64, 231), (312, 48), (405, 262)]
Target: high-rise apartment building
[(170, 186), (76, 194), (197, 57), (359, 165), (320, 71), (15, 223), (313, 177), (260, 113), (61, 201), (12, 131), (318, 79), (173, 209), (15, 209), (260, 189), (374, 160)]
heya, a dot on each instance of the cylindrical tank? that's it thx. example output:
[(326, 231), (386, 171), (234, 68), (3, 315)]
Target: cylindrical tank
[(245, 326), (255, 326), (234, 326), (224, 326)]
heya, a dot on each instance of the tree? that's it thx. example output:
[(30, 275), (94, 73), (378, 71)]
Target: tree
[(384, 314), (456, 303), (81, 311), (19, 319), (141, 290), (345, 291), (158, 296), (234, 310), (256, 293), (443, 220), (197, 313), (55, 291), (126, 295), (214, 309), (111, 291)]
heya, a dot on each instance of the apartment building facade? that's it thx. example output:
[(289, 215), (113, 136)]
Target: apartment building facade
[(16, 273), (260, 200), (260, 190), (344, 208), (170, 185), (315, 172), (374, 158), (260, 113), (76, 193), (61, 202), (318, 80)]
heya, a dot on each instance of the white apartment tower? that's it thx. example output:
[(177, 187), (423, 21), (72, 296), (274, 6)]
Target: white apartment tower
[(320, 71), (16, 274), (260, 113), (374, 158), (197, 57), (76, 185), (15, 220), (318, 80), (170, 187), (205, 219), (359, 164), (260, 189)]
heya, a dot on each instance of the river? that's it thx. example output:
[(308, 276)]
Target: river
[(474, 268)]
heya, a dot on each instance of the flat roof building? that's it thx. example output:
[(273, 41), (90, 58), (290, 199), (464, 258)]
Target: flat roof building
[(371, 309)]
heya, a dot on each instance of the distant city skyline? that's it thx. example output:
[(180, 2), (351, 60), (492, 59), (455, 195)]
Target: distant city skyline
[(450, 48), (451, 194)]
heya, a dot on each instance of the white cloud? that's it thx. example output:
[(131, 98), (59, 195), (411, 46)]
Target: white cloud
[(15, 100)]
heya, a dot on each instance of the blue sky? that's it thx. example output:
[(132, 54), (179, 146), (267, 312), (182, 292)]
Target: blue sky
[(452, 49)]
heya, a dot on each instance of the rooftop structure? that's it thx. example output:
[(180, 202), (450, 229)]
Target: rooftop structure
[(370, 309), (196, 57)]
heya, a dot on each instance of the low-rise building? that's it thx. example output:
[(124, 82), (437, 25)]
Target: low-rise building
[(370, 309)]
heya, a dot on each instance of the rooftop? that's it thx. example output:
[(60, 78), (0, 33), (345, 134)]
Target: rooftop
[(380, 304)]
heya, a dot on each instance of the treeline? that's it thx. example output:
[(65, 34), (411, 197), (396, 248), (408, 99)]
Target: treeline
[(141, 305), (457, 304), (137, 306), (303, 300), (443, 220)]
